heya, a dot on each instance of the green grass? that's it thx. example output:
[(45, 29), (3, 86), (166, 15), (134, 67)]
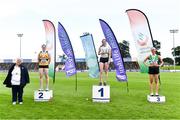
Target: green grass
[(69, 104)]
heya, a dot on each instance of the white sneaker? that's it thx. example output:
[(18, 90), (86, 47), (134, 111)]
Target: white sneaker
[(47, 89), (40, 89), (20, 103), (151, 94), (14, 103)]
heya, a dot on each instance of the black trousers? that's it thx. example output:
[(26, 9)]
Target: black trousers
[(17, 91)]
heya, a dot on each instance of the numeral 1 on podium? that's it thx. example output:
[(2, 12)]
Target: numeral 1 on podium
[(102, 92)]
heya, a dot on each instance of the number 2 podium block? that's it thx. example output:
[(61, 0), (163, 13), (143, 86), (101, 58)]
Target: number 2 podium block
[(42, 96), (156, 99), (101, 93)]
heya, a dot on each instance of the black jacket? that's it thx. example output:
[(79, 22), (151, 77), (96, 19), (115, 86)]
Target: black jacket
[(24, 76)]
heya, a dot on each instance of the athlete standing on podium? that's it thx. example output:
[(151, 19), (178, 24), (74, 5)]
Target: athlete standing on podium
[(44, 59), (155, 62), (105, 57)]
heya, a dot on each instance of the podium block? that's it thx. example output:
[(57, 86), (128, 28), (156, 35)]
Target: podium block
[(156, 99), (101, 93), (42, 96)]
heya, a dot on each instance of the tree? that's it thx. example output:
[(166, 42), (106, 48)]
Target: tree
[(176, 54), (168, 60), (62, 58), (124, 47), (157, 45)]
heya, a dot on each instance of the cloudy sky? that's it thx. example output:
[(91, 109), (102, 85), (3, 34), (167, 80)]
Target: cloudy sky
[(78, 16)]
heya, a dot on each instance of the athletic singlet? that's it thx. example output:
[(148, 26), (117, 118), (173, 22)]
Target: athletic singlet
[(43, 58), (105, 51), (153, 59)]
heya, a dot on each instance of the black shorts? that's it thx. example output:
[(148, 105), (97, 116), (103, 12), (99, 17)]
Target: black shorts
[(43, 66), (153, 70), (104, 60)]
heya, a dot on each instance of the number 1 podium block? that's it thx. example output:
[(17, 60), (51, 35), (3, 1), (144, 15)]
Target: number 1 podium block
[(42, 96), (101, 93), (156, 99)]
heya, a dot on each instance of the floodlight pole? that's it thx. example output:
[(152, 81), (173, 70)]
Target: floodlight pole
[(173, 31), (20, 36)]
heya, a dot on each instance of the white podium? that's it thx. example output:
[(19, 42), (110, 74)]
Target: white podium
[(42, 96), (156, 99), (101, 93)]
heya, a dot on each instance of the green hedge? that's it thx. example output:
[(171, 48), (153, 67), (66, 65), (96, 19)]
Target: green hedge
[(170, 68)]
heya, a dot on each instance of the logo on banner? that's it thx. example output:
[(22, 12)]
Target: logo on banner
[(142, 39)]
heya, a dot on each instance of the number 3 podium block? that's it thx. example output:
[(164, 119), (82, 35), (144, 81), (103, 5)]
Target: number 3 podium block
[(101, 93), (42, 96), (156, 99)]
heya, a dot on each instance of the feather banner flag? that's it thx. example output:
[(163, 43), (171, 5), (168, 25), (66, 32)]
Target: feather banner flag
[(116, 54), (90, 54), (142, 35), (70, 65), (51, 46)]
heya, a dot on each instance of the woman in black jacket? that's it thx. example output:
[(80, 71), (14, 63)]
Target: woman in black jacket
[(17, 79)]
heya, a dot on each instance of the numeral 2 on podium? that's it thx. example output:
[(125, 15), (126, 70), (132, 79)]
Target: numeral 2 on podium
[(41, 95)]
